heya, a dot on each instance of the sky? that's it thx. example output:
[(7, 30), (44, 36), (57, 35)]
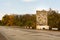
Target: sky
[(26, 6)]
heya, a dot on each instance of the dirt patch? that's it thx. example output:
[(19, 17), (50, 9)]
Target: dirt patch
[(2, 37)]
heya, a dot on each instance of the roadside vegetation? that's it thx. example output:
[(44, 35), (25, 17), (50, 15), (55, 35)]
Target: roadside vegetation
[(54, 19), (29, 20)]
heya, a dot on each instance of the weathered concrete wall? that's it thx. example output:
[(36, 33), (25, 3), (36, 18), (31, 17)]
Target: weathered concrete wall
[(42, 21), (42, 27)]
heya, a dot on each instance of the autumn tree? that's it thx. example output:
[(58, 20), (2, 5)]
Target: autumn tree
[(20, 20), (53, 19), (8, 20)]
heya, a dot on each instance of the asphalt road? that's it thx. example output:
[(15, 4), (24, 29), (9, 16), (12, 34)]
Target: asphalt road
[(28, 34)]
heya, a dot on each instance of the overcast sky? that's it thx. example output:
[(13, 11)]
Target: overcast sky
[(26, 6)]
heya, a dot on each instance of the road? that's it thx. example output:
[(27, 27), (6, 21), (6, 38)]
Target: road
[(28, 34)]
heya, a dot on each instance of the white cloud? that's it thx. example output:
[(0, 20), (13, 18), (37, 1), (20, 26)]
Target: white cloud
[(28, 0), (42, 8)]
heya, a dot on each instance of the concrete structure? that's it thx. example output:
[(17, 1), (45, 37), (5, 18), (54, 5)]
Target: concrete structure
[(42, 27), (42, 21)]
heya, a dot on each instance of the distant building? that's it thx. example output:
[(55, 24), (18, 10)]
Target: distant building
[(42, 21)]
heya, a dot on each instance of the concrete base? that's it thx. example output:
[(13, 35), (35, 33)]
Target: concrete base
[(42, 27)]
